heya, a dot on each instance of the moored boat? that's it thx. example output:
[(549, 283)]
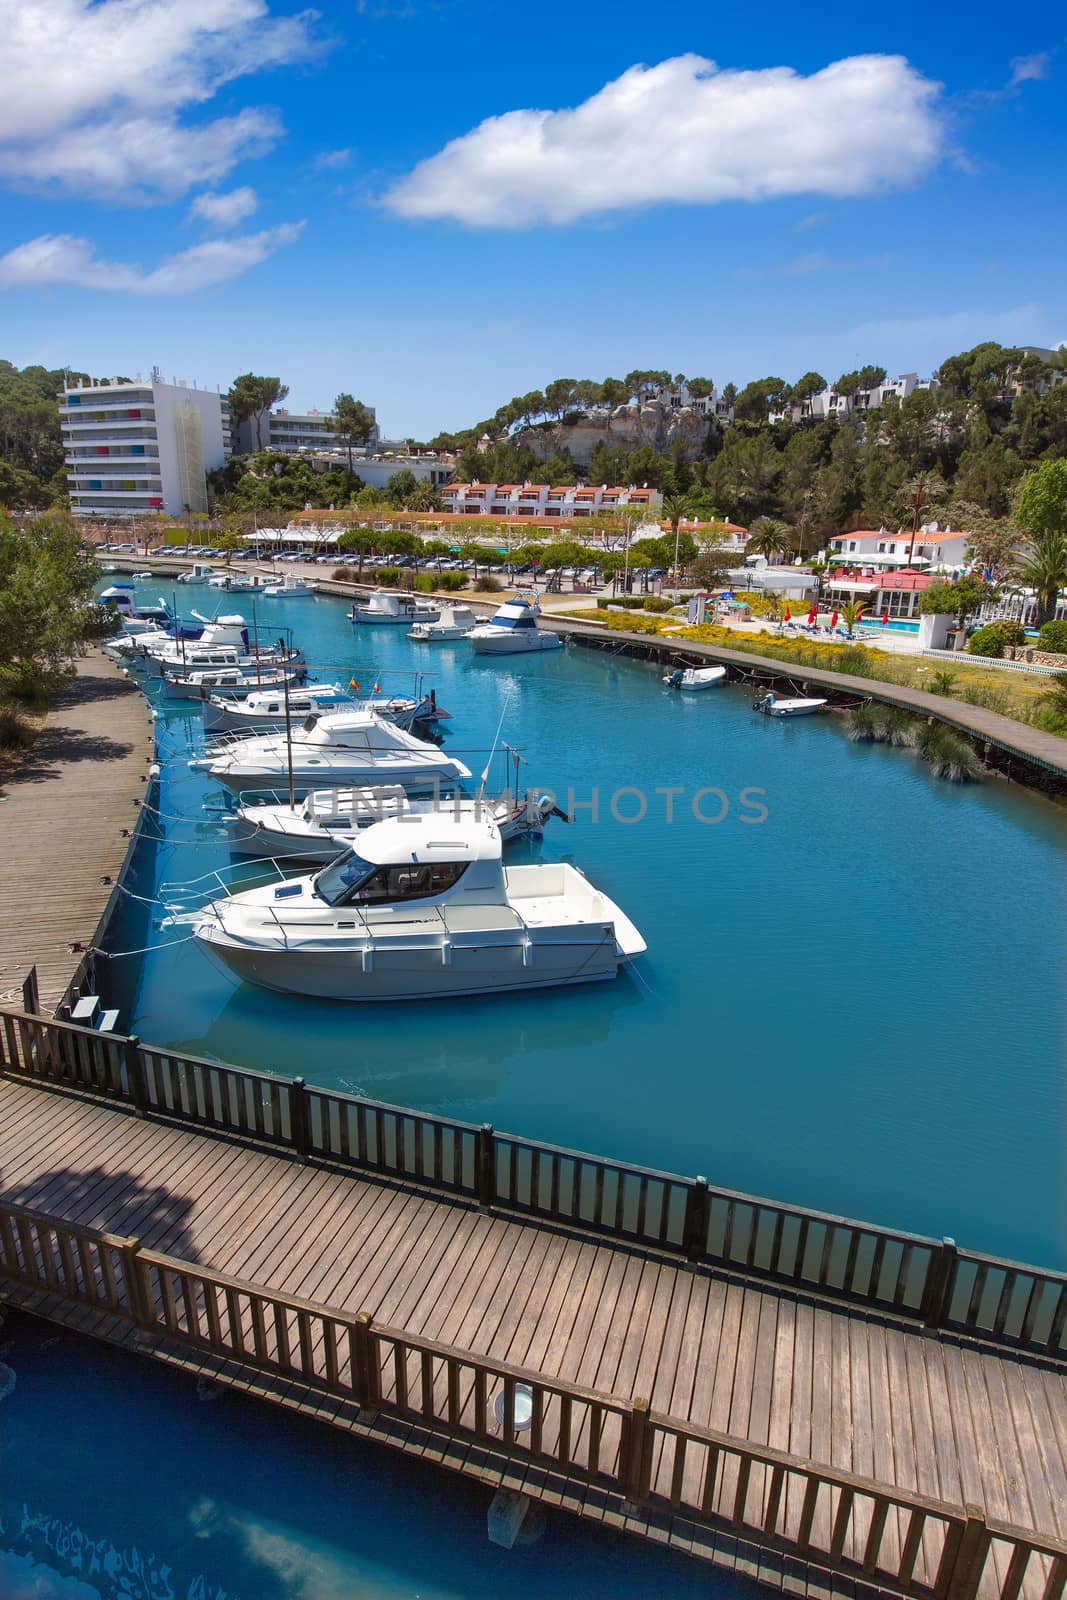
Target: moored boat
[(388, 609), (695, 678), (330, 820), (773, 705), (345, 749), (424, 908), (455, 622), (514, 630)]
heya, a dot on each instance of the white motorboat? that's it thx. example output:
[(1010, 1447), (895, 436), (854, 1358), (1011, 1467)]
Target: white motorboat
[(388, 609), (773, 705), (261, 712), (455, 622), (424, 910), (234, 681), (291, 589), (513, 630), (200, 573), (695, 677), (265, 713), (330, 820), (231, 584), (344, 749)]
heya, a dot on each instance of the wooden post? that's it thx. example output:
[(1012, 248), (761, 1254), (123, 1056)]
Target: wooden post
[(970, 1557), (485, 1165), (633, 1452), (937, 1290), (697, 1217), (365, 1361), (299, 1127), (136, 1084), (137, 1291), (31, 1000)]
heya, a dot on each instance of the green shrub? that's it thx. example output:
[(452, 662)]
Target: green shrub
[(390, 576), (943, 683), (489, 585), (851, 658), (657, 603), (452, 582), (14, 732), (341, 575), (989, 696), (627, 602), (1053, 637), (949, 754), (995, 637)]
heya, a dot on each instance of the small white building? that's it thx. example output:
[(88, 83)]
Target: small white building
[(134, 447)]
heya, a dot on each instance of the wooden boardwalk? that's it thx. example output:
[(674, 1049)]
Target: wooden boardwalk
[(834, 1385), (62, 815)]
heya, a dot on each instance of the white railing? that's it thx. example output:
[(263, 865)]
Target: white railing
[(964, 656)]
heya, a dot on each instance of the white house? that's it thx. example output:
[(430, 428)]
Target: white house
[(133, 446), (291, 433), (943, 550)]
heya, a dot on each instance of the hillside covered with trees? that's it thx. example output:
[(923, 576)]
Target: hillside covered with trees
[(996, 414)]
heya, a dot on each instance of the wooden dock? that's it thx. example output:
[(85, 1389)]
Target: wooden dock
[(65, 815), (776, 1390)]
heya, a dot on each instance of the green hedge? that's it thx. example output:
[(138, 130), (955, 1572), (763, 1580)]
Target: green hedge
[(994, 638), (1053, 637), (628, 602)]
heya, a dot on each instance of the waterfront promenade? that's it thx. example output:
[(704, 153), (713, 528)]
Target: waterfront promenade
[(62, 815)]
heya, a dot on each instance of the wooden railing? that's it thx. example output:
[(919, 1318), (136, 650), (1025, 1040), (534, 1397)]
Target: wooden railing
[(904, 1542), (900, 1274)]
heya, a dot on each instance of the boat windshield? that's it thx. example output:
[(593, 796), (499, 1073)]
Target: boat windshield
[(351, 880), (335, 882)]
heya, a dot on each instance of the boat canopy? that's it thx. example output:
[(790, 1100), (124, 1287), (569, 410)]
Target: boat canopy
[(428, 837)]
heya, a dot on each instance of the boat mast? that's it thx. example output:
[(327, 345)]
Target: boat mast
[(288, 740)]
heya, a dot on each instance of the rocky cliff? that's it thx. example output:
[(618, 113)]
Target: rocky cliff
[(624, 428)]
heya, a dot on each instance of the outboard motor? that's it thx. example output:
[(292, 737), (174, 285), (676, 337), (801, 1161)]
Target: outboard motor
[(675, 679)]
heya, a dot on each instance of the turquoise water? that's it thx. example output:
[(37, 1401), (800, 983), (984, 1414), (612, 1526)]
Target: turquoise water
[(894, 625), (841, 1006), (116, 1484)]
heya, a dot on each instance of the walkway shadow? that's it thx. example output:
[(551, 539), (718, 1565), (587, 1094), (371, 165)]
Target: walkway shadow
[(111, 1202), (58, 747), (89, 687)]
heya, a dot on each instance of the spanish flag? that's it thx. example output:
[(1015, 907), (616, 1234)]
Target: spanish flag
[(352, 684), (377, 688)]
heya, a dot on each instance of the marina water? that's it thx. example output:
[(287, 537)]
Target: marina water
[(839, 1006)]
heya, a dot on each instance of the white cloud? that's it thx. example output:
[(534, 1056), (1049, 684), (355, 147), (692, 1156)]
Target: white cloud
[(225, 210), (63, 258), (92, 91), (687, 132), (1028, 69), (334, 158)]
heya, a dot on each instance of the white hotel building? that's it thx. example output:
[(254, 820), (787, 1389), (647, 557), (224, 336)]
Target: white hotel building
[(293, 433), (137, 447)]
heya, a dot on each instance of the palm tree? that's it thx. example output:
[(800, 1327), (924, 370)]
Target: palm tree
[(851, 612), (674, 511), (1042, 566), (424, 498), (767, 538)]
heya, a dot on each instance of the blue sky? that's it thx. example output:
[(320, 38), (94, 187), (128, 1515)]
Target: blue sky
[(215, 186)]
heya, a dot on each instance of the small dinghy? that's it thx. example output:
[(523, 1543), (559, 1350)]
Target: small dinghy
[(773, 705), (695, 677)]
